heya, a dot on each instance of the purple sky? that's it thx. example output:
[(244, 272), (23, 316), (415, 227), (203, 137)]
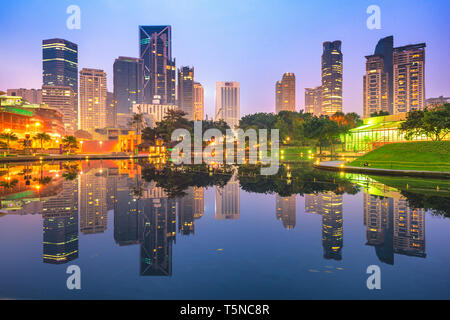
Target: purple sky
[(250, 41)]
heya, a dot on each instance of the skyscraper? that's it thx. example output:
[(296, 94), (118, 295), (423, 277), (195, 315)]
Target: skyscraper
[(63, 99), (199, 102), (313, 100), (128, 87), (93, 96), (228, 201), (159, 67), (332, 78), (377, 82), (409, 78), (111, 110), (285, 93), (33, 96), (228, 103), (186, 91), (60, 67)]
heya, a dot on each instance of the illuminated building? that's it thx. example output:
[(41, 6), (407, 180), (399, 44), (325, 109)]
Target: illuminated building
[(286, 211), (332, 67), (432, 103), (128, 87), (154, 112), (111, 110), (313, 101), (377, 131), (93, 205), (60, 67), (199, 102), (409, 78), (228, 201), (60, 214), (228, 103), (62, 99), (21, 118), (33, 96), (186, 91), (93, 94), (159, 68), (285, 93), (377, 82), (329, 205)]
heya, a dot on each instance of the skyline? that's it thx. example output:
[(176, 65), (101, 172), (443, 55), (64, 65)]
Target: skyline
[(242, 62)]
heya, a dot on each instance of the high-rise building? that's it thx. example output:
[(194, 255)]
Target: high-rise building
[(60, 67), (313, 100), (154, 112), (93, 94), (111, 110), (228, 103), (285, 93), (377, 82), (199, 102), (332, 66), (409, 78), (286, 211), (159, 67), (186, 207), (186, 91), (128, 87), (63, 99), (33, 96)]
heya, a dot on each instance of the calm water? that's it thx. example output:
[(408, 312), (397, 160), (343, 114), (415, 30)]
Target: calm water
[(142, 232)]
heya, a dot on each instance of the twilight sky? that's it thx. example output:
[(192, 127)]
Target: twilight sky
[(250, 41)]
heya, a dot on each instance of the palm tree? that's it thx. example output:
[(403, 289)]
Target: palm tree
[(8, 136), (42, 137), (137, 122), (70, 143)]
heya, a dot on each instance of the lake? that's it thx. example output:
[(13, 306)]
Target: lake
[(141, 230)]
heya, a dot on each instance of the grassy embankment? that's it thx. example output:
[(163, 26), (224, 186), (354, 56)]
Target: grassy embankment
[(421, 156)]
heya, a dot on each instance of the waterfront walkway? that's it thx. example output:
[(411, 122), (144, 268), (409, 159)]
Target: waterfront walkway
[(340, 166)]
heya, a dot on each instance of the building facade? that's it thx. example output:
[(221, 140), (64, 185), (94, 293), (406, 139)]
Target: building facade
[(159, 67), (409, 78), (186, 91), (93, 95), (128, 86), (154, 112), (285, 93), (313, 101), (63, 99), (199, 102), (60, 67), (332, 73), (228, 103), (376, 86), (111, 110), (33, 96)]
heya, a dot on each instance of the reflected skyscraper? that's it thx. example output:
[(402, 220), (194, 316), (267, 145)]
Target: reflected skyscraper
[(199, 202), (329, 205), (60, 223), (394, 227), (228, 201), (286, 210), (93, 203), (186, 213)]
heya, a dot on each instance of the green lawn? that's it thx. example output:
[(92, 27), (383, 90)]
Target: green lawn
[(294, 153), (427, 156)]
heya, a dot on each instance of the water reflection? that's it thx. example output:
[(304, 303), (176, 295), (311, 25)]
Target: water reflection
[(152, 204)]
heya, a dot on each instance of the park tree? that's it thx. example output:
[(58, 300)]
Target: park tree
[(42, 137), (8, 137), (434, 124), (70, 143)]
